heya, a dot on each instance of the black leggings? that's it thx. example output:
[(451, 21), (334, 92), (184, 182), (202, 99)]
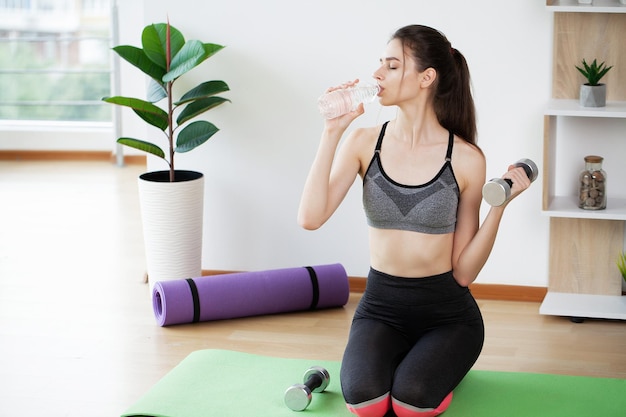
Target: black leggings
[(413, 338)]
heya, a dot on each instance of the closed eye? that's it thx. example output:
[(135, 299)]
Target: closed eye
[(391, 63)]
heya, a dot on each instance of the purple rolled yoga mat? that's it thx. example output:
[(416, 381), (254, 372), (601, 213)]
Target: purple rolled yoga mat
[(243, 294)]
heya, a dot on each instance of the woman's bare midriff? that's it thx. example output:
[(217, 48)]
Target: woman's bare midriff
[(410, 254)]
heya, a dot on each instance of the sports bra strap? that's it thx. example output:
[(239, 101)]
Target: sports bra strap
[(450, 143), (380, 137)]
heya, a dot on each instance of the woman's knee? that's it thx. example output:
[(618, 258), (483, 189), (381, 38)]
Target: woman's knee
[(402, 409), (377, 407), (419, 393)]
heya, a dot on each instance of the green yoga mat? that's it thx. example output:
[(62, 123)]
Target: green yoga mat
[(233, 384)]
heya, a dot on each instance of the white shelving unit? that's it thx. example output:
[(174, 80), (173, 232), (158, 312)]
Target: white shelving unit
[(584, 306), (567, 107), (583, 283), (597, 6), (567, 207)]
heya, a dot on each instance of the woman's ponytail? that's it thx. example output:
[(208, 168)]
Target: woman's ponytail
[(452, 100)]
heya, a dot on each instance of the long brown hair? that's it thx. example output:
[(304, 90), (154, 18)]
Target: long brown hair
[(452, 101)]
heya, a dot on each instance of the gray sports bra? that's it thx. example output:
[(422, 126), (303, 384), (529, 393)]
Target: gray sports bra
[(427, 208)]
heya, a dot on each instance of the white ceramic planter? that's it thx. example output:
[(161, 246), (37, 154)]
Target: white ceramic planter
[(171, 215), (593, 95)]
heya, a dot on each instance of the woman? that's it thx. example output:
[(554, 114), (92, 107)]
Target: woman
[(417, 330)]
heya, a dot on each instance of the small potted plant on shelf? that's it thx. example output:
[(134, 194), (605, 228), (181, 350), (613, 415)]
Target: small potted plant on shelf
[(621, 265), (593, 93), (171, 200)]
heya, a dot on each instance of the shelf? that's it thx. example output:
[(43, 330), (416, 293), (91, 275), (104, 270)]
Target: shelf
[(563, 107), (567, 206), (597, 6), (584, 305), (577, 274)]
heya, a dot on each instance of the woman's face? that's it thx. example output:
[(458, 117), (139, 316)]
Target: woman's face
[(397, 75)]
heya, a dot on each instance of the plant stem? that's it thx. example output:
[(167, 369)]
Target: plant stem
[(170, 135), (170, 110)]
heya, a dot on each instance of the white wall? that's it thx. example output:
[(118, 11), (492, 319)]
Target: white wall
[(281, 55)]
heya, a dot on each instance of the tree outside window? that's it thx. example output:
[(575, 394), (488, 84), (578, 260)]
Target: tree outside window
[(55, 60)]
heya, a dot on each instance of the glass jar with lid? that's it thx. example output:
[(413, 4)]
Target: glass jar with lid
[(592, 195)]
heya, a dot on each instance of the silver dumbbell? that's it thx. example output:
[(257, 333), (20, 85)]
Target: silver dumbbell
[(497, 191), (298, 396)]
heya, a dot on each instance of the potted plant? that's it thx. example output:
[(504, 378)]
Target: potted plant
[(593, 93), (621, 265), (171, 200)]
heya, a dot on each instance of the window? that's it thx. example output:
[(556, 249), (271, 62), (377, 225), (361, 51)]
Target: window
[(55, 60)]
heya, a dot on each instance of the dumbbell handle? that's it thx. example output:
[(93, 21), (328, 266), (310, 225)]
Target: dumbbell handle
[(527, 170), (314, 381)]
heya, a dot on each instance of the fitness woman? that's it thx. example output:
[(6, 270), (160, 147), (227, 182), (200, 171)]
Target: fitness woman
[(417, 330)]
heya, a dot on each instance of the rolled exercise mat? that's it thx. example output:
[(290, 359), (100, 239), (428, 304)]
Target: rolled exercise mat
[(242, 294)]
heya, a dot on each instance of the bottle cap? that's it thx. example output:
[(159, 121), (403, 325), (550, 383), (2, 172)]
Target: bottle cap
[(593, 159)]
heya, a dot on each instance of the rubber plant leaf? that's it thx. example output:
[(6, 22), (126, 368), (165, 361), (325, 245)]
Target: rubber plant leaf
[(206, 89), (155, 91), (142, 146), (154, 43), (212, 48), (190, 56), (150, 113), (198, 107), (194, 135), (139, 59)]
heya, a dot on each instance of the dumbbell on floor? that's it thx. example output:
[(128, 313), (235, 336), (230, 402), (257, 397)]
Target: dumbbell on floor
[(497, 191), (298, 396)]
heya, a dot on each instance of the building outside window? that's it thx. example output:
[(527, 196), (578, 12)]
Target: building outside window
[(55, 60)]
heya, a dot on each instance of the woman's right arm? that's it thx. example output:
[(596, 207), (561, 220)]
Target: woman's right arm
[(330, 176)]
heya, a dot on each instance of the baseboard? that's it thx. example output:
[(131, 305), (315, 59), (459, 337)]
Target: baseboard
[(357, 284), (33, 155), (480, 291), (508, 292)]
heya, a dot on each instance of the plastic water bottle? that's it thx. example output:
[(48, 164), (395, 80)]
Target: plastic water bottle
[(339, 102)]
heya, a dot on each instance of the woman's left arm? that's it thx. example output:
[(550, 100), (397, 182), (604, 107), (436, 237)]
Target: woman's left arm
[(473, 244)]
